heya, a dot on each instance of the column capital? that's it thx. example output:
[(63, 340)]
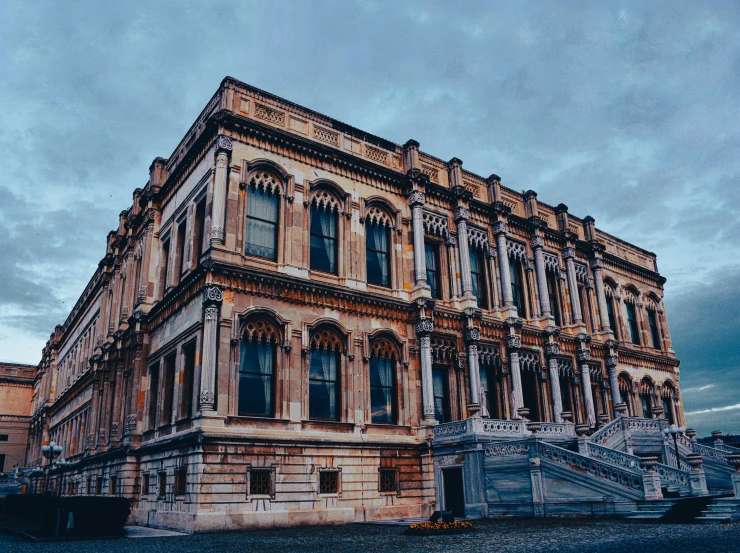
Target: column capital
[(552, 349), (472, 334), (500, 227), (424, 326), (583, 355), (212, 295), (569, 253), (223, 144), (612, 361), (416, 198), (537, 242), (596, 263), (513, 342), (461, 214)]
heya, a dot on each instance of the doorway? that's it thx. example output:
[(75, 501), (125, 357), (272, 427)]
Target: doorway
[(454, 495)]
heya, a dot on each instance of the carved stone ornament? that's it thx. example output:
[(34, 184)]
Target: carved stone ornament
[(217, 233), (424, 326), (472, 334), (206, 397), (500, 227), (461, 213), (583, 355), (114, 429), (597, 263), (514, 341), (416, 198), (211, 313), (537, 242), (131, 422), (612, 361), (212, 294), (569, 253), (450, 240), (552, 349), (224, 143), (491, 253)]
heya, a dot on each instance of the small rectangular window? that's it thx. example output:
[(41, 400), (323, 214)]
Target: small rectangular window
[(164, 262), (199, 229), (112, 485), (89, 488), (388, 481), (181, 261), (145, 484), (181, 481), (328, 481), (162, 491), (3, 437), (260, 482), (99, 485)]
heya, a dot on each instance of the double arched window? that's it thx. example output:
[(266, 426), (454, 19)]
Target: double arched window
[(652, 317), (383, 387), (324, 232), (257, 369), (324, 375), (261, 234), (647, 391)]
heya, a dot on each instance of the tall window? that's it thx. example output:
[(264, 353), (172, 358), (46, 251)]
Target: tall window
[(517, 287), (477, 275), (262, 221), (199, 229), (489, 389), (441, 399), (632, 320), (181, 266), (647, 406), (188, 370), (652, 320), (323, 238), (168, 384), (377, 254), (323, 383), (383, 387), (256, 370), (667, 411), (164, 264), (610, 313), (552, 294), (431, 253), (153, 394)]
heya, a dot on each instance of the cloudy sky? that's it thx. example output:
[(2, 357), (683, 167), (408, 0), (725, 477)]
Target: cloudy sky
[(626, 113)]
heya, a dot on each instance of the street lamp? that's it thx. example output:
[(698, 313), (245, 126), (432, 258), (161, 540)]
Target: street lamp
[(674, 431), (51, 452)]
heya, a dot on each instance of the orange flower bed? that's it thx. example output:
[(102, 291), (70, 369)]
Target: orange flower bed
[(440, 527)]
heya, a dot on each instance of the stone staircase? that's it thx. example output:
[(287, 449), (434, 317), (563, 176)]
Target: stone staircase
[(652, 511), (721, 510)]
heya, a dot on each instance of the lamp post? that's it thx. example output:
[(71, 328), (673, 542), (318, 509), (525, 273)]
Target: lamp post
[(674, 431), (51, 452)]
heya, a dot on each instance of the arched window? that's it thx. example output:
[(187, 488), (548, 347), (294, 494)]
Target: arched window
[(377, 247), (262, 215), (431, 253), (625, 393), (383, 360), (324, 224), (609, 292), (646, 398), (530, 373), (653, 323), (552, 293), (478, 275), (444, 352), (257, 369), (632, 318), (489, 365), (324, 376), (517, 285)]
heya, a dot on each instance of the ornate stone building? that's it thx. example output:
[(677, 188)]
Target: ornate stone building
[(16, 390), (291, 305)]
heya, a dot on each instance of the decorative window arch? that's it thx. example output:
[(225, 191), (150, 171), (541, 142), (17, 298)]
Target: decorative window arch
[(647, 391), (626, 391), (378, 242), (651, 307), (264, 189), (257, 364), (630, 305), (324, 230), (531, 373), (384, 359), (668, 399), (489, 366), (324, 374)]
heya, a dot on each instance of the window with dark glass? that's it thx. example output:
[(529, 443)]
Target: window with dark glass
[(652, 321), (168, 385), (262, 222), (323, 238), (199, 229), (145, 484), (667, 411), (165, 262), (647, 410), (260, 482), (329, 481), (610, 313), (388, 481), (99, 485), (377, 254), (181, 481), (188, 379), (477, 275), (180, 262), (431, 253), (256, 370), (153, 395), (552, 294), (383, 390), (517, 287), (441, 400), (162, 485), (632, 321), (323, 384)]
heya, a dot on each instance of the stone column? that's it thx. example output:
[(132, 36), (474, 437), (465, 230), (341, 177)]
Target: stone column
[(584, 356), (212, 297), (597, 267), (611, 367), (461, 220), (539, 265), (472, 336), (513, 343), (551, 352), (575, 304), (500, 230), (416, 202), (223, 147), (424, 327)]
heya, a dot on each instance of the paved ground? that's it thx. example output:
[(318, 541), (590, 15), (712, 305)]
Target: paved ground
[(491, 535)]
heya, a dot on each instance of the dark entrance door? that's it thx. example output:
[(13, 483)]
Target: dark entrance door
[(452, 480)]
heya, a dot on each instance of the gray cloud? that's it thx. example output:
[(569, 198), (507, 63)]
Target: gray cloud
[(625, 111)]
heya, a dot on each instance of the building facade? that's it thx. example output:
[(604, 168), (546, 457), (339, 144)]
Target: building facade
[(291, 305), (16, 390)]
